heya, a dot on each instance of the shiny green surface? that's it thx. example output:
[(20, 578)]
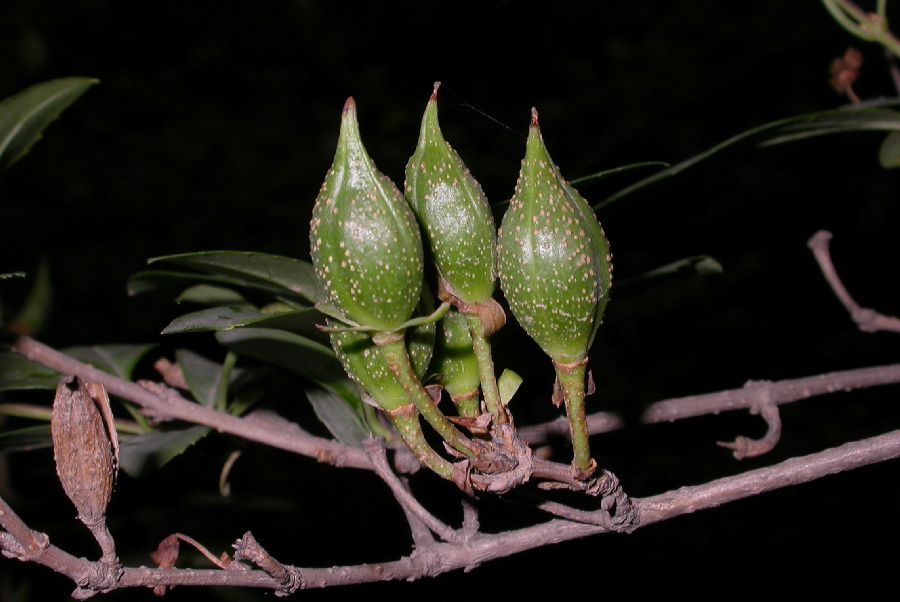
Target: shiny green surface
[(364, 240)]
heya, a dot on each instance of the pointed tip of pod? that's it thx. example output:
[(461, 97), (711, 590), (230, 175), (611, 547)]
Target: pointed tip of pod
[(534, 117), (349, 125), (437, 85)]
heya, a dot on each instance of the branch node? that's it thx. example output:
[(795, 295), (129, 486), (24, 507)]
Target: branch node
[(11, 548), (100, 578), (746, 447), (164, 393), (288, 578)]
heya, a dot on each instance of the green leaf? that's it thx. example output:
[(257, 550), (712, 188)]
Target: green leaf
[(154, 280), (36, 308), (140, 454), (864, 117), (203, 376), (8, 275), (295, 353), (253, 269), (119, 360), (508, 383), (16, 372), (28, 438), (889, 153), (24, 116), (617, 170), (696, 265), (208, 294), (228, 317), (338, 417)]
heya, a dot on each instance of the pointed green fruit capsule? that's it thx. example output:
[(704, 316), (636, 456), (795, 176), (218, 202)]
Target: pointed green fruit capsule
[(554, 260), (364, 240), (454, 212), (455, 362)]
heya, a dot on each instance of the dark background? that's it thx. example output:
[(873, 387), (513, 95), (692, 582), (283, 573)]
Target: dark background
[(215, 123)]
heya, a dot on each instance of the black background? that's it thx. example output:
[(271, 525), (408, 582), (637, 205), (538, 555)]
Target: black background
[(215, 123)]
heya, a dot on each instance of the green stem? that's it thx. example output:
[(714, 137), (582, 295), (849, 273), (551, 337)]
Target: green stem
[(374, 424), (571, 379), (837, 10), (467, 405), (864, 25), (411, 432), (397, 359), (482, 349)]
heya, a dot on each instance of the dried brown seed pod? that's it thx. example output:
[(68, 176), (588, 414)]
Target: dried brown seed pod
[(85, 447)]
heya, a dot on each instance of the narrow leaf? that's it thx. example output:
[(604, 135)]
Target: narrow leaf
[(223, 317), (8, 275), (871, 116), (208, 294), (338, 417), (295, 353), (697, 265), (28, 438), (203, 376), (617, 170), (16, 372), (228, 317), (287, 273), (142, 453), (155, 280), (24, 117), (889, 153), (118, 360)]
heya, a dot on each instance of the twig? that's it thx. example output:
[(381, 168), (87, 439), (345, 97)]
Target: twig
[(746, 447), (31, 543), (287, 437), (868, 320), (247, 548), (470, 523), (375, 450), (790, 472), (599, 422), (421, 534), (443, 557), (588, 517), (779, 392)]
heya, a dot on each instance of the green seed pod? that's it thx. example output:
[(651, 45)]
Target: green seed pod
[(457, 365), (454, 212), (364, 240), (365, 364), (554, 260)]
